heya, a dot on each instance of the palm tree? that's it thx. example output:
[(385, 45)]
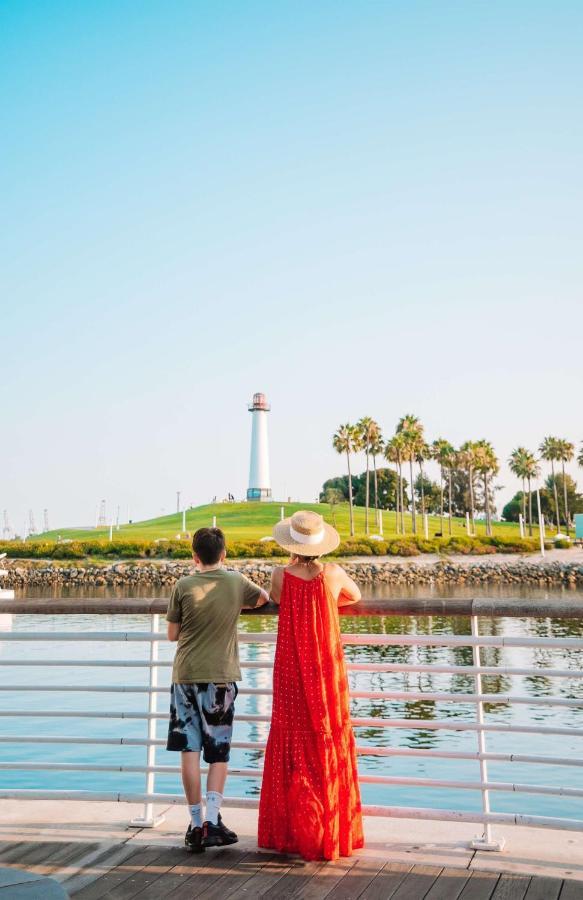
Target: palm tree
[(549, 451), (486, 464), (467, 460), (422, 453), (532, 470), (518, 465), (376, 448), (443, 453), (580, 457), (412, 430), (566, 452), (395, 453), (367, 429), (346, 440)]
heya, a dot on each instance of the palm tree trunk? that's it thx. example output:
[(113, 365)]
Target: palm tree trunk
[(397, 490), (449, 498), (565, 496), (413, 521), (376, 491), (471, 473), (351, 516), (402, 500), (556, 497), (441, 497), (367, 496), (523, 502), (422, 493), (487, 502), (530, 509)]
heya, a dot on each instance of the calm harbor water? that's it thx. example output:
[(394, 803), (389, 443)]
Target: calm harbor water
[(378, 737)]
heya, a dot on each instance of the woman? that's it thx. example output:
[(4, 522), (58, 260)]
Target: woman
[(310, 800)]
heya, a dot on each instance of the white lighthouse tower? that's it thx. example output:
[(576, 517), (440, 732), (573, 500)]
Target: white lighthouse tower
[(259, 481)]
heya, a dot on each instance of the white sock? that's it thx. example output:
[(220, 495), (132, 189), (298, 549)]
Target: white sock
[(213, 805), (196, 815)]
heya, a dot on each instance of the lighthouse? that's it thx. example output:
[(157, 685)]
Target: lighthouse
[(259, 481)]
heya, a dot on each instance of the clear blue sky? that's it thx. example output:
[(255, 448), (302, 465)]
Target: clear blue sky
[(360, 208)]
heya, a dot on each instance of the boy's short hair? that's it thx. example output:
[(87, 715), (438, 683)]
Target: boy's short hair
[(209, 545)]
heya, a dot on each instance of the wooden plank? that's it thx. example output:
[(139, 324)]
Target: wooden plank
[(572, 890), (300, 873), (544, 888), (325, 879), (33, 853), (92, 866), (57, 864), (356, 879), (480, 886), (511, 887), (417, 883), (260, 882), (231, 883), (13, 852), (153, 871), (449, 885), (194, 873), (384, 885), (116, 874)]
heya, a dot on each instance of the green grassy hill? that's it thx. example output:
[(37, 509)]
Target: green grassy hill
[(252, 521)]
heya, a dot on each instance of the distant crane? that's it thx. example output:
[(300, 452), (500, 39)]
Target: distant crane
[(178, 501), (46, 520), (31, 523), (6, 530), (102, 519)]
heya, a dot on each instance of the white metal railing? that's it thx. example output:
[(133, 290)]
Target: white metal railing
[(476, 698)]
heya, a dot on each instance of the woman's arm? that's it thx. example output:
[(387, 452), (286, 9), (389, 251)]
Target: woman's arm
[(276, 584), (173, 631), (344, 588)]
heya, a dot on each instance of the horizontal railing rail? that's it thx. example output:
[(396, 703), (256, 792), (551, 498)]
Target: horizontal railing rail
[(565, 605), (469, 703)]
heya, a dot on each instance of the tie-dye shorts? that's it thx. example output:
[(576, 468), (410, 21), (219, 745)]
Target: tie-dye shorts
[(201, 718)]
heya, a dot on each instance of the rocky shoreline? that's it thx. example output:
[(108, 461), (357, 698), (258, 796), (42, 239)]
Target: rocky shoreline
[(535, 572)]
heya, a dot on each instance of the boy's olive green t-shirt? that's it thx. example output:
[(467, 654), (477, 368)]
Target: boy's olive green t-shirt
[(207, 605)]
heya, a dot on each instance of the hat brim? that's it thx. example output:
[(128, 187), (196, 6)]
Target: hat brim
[(329, 542)]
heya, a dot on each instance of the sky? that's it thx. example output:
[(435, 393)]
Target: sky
[(359, 208)]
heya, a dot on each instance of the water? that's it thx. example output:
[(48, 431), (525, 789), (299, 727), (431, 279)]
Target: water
[(454, 770)]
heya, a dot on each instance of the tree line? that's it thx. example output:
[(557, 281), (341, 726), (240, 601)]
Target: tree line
[(466, 472)]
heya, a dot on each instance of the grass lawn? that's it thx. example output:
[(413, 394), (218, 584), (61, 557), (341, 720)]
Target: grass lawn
[(252, 521)]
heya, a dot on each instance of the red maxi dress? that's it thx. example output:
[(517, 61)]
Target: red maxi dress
[(310, 799)]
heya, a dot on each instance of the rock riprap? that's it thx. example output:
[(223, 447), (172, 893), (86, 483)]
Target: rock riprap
[(128, 574)]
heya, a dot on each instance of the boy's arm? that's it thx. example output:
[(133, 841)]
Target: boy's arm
[(262, 597), (252, 596), (174, 614)]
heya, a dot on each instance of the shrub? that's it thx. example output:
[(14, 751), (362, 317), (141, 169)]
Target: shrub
[(403, 547), (562, 544), (355, 548)]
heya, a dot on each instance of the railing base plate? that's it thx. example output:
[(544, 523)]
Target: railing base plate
[(141, 822), (480, 843)]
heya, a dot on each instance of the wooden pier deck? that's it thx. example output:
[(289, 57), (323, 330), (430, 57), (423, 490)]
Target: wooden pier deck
[(152, 871)]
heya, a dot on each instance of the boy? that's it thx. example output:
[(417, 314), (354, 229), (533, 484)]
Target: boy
[(202, 616)]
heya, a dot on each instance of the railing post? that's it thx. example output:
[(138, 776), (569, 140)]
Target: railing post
[(485, 841), (148, 819)]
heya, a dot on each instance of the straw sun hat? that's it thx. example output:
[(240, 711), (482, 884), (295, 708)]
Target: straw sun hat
[(306, 534)]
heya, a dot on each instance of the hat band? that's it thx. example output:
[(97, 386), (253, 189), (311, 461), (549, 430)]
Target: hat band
[(306, 538)]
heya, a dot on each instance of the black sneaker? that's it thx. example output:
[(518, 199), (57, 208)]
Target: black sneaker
[(217, 835), (193, 840)]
